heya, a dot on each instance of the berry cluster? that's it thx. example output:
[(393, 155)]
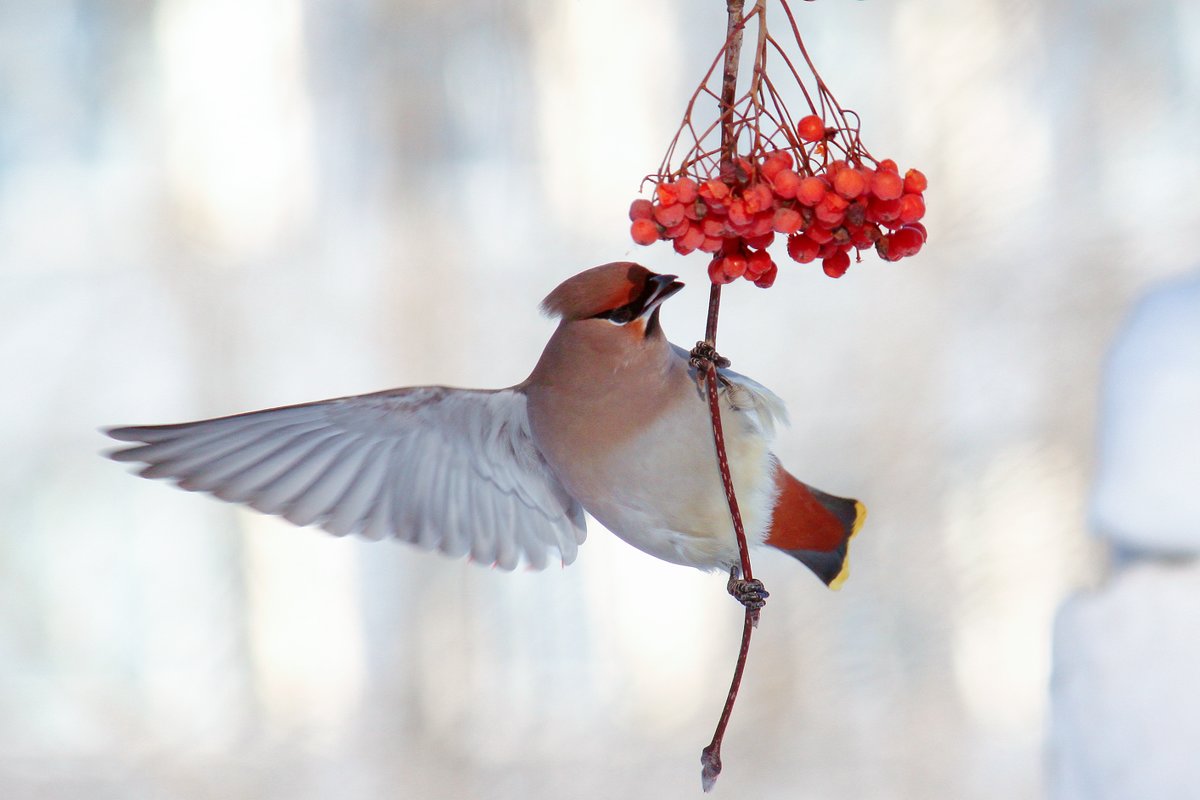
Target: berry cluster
[(824, 215)]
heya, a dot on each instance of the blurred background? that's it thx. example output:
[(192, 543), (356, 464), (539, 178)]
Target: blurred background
[(210, 206)]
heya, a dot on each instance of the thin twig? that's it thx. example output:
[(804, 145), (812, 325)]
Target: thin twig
[(710, 758)]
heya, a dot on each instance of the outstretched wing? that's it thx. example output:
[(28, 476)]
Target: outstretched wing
[(449, 469)]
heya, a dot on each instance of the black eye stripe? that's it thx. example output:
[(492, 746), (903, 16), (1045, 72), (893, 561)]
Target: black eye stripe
[(631, 310)]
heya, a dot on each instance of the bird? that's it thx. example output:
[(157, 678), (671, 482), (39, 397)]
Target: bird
[(612, 421)]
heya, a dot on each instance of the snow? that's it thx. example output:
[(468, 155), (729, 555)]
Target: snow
[(1126, 714), (1147, 493)]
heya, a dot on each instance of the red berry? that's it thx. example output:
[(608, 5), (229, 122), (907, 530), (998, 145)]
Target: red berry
[(739, 215), (811, 128), (714, 191), (905, 242), (641, 209), (691, 240), (757, 263), (788, 220), (761, 241), (758, 197), (919, 228), (735, 265), (686, 190), (849, 183), (836, 264), (819, 233), (695, 210), (711, 244), (914, 181), (883, 210), (675, 231), (831, 210), (714, 226), (764, 223), (786, 183), (912, 208), (887, 185), (767, 279), (716, 271), (887, 165), (669, 215), (644, 231), (865, 236), (666, 193), (811, 191), (773, 163), (802, 249)]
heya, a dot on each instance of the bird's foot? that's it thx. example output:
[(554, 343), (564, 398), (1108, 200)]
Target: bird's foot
[(750, 593), (704, 354)]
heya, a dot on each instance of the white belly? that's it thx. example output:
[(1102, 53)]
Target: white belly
[(664, 493)]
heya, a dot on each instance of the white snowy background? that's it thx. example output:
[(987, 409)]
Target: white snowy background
[(210, 206)]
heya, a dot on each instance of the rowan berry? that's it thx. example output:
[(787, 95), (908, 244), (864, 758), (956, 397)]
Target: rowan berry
[(786, 183), (811, 191), (849, 183), (644, 231), (787, 220), (836, 264), (912, 208), (802, 249), (915, 182), (887, 185), (641, 209), (767, 279), (811, 128), (669, 215), (775, 162)]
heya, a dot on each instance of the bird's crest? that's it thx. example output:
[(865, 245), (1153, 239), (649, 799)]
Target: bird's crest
[(597, 290)]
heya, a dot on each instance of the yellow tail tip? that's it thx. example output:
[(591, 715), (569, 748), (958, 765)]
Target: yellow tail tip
[(860, 516)]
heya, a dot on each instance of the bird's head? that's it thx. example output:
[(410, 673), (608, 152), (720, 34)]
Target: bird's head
[(621, 293)]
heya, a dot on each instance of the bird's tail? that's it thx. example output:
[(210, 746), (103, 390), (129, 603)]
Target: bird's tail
[(814, 527)]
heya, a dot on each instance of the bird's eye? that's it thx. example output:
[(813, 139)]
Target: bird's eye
[(619, 316)]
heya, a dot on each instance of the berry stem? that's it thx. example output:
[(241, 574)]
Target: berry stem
[(710, 758)]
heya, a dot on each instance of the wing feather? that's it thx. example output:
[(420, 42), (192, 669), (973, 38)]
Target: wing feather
[(446, 469)]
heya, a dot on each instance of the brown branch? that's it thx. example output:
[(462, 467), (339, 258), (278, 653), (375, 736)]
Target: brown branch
[(710, 758)]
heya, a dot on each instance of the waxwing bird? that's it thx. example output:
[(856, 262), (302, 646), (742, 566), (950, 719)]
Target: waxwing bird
[(613, 421)]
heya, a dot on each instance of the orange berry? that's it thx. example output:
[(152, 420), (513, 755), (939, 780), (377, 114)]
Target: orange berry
[(788, 220), (666, 193), (811, 191), (774, 162), (802, 249), (644, 231), (641, 209), (912, 208), (887, 185), (849, 183), (669, 215), (836, 264), (811, 128), (914, 181)]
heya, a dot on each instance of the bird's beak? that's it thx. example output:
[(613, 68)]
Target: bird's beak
[(658, 289)]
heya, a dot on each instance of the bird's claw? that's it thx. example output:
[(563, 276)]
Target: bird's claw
[(704, 354), (750, 593)]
